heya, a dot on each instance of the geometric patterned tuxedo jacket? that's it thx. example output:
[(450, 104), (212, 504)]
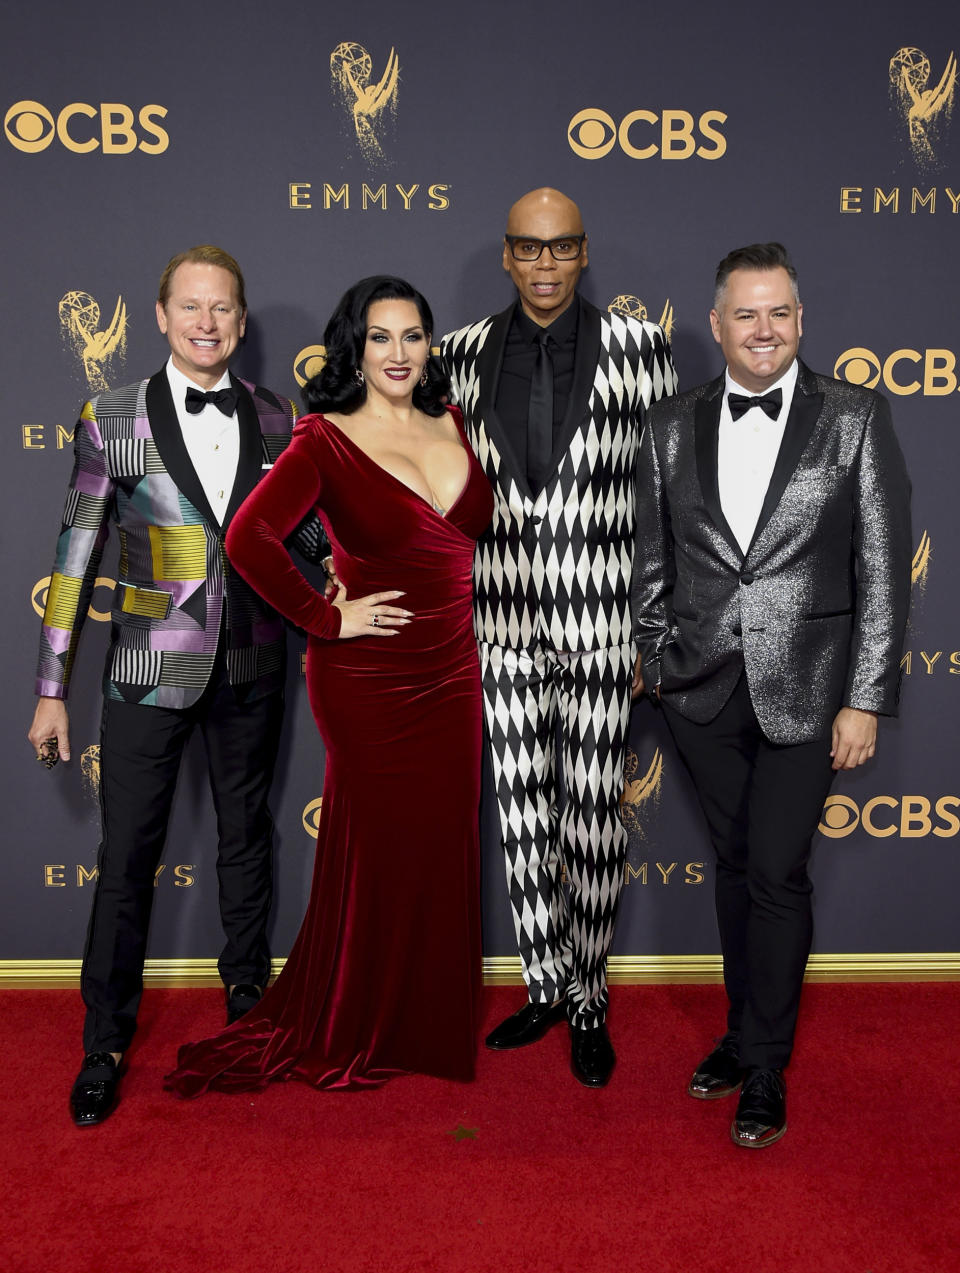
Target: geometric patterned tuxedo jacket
[(815, 611), (175, 590), (555, 568)]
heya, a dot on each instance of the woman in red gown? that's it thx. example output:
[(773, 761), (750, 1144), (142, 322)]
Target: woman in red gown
[(384, 976)]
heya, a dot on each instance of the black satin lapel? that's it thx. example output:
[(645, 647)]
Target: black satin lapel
[(489, 362), (169, 442), (584, 376), (706, 427), (251, 458), (801, 420)]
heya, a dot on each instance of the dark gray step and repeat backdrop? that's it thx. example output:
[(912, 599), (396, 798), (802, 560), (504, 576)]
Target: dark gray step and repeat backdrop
[(320, 145)]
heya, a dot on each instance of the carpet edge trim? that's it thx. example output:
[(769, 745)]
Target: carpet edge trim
[(504, 970)]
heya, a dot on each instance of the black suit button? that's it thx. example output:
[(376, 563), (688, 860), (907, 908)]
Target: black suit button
[(747, 576), (737, 630), (536, 520)]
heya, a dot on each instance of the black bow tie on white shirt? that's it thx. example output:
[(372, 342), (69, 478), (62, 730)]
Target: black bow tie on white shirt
[(770, 404), (224, 400)]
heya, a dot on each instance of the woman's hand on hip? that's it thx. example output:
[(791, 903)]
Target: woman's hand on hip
[(371, 616)]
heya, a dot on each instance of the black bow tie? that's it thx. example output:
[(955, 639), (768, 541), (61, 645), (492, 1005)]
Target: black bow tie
[(224, 400), (770, 404)]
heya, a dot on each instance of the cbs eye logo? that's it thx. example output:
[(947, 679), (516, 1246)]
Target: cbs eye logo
[(309, 362), (311, 816), (910, 817), (38, 598), (111, 127), (643, 134), (906, 371)]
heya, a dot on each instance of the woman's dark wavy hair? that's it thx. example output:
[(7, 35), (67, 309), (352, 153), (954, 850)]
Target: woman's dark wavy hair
[(334, 387)]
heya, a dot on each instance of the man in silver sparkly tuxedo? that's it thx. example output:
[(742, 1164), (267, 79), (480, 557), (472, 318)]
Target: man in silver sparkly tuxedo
[(771, 588)]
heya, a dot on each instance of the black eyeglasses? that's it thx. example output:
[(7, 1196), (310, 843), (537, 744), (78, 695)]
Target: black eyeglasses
[(566, 248)]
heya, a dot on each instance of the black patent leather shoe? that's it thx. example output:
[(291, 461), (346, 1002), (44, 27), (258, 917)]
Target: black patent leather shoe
[(719, 1073), (527, 1025), (241, 999), (94, 1094), (761, 1111), (592, 1057)]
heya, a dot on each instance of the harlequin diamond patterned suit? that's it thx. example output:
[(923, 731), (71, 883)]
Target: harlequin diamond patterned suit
[(552, 614)]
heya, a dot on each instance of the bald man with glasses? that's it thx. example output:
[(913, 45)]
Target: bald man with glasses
[(553, 393)]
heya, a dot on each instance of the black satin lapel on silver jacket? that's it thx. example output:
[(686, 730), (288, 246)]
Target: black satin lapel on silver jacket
[(706, 424), (801, 421)]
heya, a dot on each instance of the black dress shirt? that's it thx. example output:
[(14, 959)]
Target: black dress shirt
[(519, 360)]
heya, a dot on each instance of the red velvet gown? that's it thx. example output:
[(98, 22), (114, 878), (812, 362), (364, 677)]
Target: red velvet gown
[(384, 977)]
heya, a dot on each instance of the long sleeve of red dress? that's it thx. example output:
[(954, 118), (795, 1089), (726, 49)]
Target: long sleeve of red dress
[(272, 511)]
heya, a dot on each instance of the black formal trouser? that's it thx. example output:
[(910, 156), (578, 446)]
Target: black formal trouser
[(140, 752), (762, 803)]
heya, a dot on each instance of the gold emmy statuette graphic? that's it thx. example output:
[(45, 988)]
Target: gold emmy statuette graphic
[(311, 816), (924, 109), (921, 561), (90, 769), (350, 68), (633, 307), (308, 363), (79, 323), (637, 790)]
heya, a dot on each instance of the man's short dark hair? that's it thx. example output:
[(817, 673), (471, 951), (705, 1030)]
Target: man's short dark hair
[(756, 256)]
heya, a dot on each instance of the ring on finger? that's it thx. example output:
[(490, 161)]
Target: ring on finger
[(376, 621)]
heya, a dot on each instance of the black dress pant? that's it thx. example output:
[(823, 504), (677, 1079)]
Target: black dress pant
[(141, 748), (762, 804)]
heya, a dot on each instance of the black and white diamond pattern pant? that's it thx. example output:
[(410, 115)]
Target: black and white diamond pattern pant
[(563, 943)]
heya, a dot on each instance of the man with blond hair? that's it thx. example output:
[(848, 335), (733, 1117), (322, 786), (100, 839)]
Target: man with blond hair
[(167, 461)]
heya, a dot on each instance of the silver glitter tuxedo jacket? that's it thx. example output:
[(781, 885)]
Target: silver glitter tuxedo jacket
[(816, 609), (555, 569)]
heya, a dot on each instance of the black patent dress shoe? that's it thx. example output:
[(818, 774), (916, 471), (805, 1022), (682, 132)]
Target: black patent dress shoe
[(720, 1073), (592, 1057), (94, 1094), (241, 999), (527, 1025), (761, 1111)]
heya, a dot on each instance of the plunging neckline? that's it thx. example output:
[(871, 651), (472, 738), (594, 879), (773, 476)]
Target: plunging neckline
[(399, 481)]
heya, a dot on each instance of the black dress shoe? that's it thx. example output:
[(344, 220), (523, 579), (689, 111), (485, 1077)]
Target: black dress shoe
[(761, 1111), (720, 1073), (241, 999), (592, 1057), (530, 1023), (94, 1094)]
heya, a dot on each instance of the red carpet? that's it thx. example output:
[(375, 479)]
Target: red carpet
[(548, 1176)]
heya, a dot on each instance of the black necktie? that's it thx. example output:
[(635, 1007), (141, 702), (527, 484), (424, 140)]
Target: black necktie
[(770, 404), (224, 400), (540, 415)]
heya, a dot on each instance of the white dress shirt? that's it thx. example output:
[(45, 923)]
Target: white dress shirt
[(746, 453), (212, 440)]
